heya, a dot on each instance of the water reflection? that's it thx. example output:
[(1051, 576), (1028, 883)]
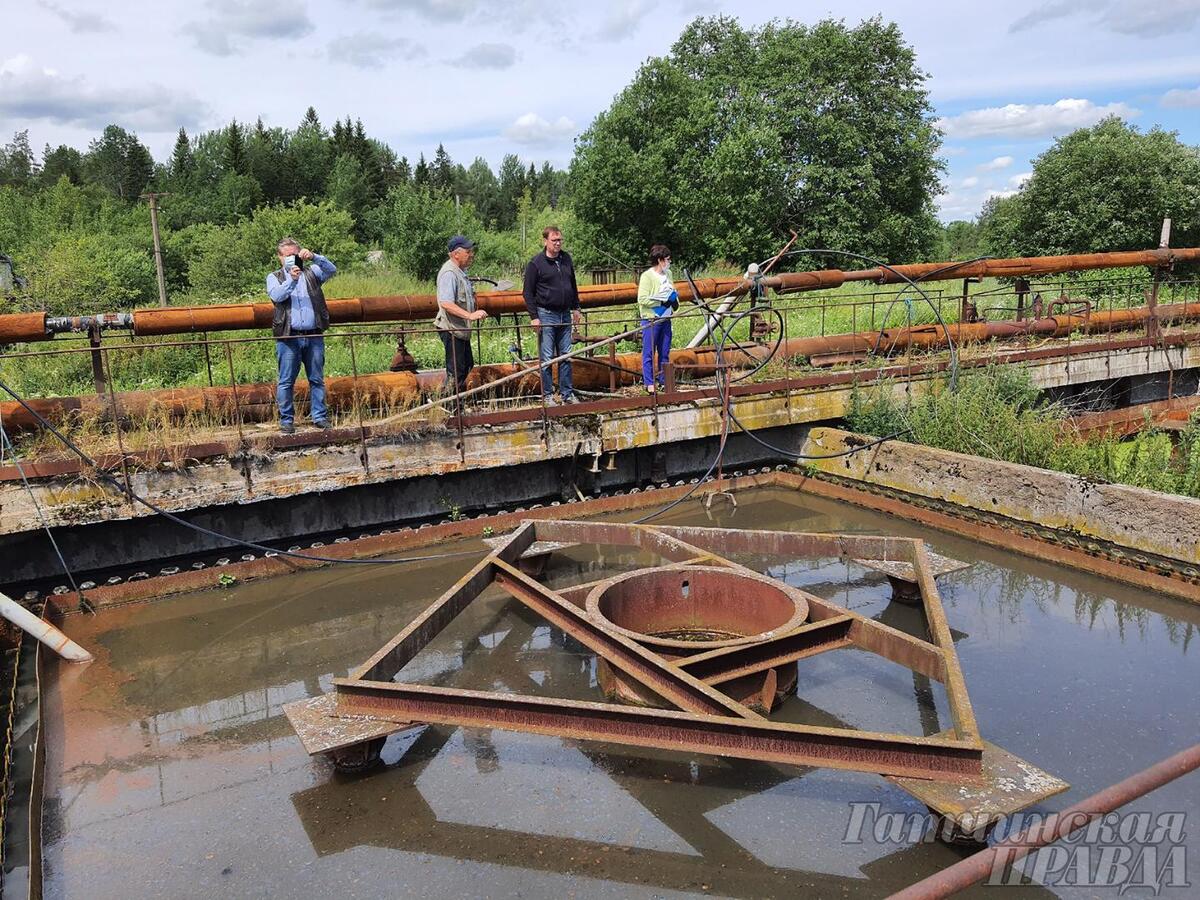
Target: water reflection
[(170, 760)]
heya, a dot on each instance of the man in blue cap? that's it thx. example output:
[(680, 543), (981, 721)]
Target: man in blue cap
[(456, 310)]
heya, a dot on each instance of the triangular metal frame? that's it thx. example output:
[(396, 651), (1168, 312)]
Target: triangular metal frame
[(705, 720)]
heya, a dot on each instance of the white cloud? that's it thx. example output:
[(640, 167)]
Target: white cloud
[(487, 56), (1020, 120), (29, 92), (1000, 162), (1181, 98), (531, 129), (1001, 194), (234, 21), (970, 181), (623, 19), (79, 22), (433, 10), (368, 50), (1131, 17), (1020, 178)]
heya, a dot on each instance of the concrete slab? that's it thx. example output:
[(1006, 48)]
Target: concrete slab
[(321, 730), (1010, 785)]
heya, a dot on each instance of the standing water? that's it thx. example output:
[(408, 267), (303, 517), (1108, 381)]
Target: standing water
[(171, 769)]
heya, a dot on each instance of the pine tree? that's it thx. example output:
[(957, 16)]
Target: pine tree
[(441, 175), (234, 157), (421, 172), (183, 162)]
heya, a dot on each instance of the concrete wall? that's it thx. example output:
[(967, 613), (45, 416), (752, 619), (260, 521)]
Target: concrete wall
[(1131, 517)]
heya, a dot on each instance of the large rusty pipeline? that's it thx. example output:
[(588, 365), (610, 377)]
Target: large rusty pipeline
[(414, 307), (399, 389)]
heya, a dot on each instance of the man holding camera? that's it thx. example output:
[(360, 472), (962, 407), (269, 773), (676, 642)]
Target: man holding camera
[(552, 298), (456, 312), (300, 318)]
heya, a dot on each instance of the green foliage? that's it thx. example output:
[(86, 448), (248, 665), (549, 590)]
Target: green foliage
[(91, 271), (233, 260), (738, 135), (997, 414), (959, 240), (119, 162), (1106, 188), (416, 221)]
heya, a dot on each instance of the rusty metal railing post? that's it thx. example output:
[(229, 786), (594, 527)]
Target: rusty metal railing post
[(237, 403), (787, 367), (116, 420), (208, 359), (98, 364), (362, 429), (458, 401)]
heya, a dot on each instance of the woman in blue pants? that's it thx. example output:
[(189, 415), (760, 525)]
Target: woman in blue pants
[(656, 301)]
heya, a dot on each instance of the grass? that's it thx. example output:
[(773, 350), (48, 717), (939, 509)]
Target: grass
[(998, 414)]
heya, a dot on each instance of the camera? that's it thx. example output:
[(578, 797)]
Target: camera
[(294, 260)]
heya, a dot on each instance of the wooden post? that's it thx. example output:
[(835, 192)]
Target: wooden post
[(158, 257)]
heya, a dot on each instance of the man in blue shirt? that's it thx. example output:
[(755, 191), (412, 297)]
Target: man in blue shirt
[(300, 318)]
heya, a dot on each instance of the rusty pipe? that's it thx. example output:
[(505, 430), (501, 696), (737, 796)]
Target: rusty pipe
[(410, 307), (406, 388), (976, 868)]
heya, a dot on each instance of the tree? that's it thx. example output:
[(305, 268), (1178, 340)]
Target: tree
[(308, 159), (511, 187), (349, 190), (421, 172), (182, 161), (415, 221), (997, 225), (18, 165), (61, 162), (119, 162), (266, 161), (959, 240), (738, 136), (404, 172), (481, 187), (1108, 187), (441, 173), (234, 156)]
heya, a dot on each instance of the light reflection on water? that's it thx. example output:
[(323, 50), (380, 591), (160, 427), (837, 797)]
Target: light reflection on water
[(175, 765)]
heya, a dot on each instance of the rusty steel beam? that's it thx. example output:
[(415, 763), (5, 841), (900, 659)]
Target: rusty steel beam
[(727, 663), (965, 727), (401, 649), (647, 668), (415, 307), (758, 739)]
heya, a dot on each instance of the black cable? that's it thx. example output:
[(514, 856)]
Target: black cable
[(104, 476), (5, 441)]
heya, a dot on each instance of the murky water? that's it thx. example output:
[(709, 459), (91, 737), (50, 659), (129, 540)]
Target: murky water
[(173, 772)]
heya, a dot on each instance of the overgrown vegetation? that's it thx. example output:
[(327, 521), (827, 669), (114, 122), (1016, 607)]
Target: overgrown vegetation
[(999, 414)]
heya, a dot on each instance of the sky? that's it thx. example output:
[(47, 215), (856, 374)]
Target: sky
[(490, 77)]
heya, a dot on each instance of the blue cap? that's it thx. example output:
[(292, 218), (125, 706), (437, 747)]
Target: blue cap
[(460, 241)]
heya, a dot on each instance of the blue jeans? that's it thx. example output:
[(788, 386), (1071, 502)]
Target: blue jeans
[(290, 353), (555, 340), (656, 338)]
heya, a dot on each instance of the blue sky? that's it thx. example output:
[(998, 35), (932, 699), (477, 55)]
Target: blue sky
[(515, 76)]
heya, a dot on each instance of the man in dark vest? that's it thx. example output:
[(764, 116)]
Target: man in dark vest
[(300, 319)]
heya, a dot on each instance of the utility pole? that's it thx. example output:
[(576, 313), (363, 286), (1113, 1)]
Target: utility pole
[(158, 257)]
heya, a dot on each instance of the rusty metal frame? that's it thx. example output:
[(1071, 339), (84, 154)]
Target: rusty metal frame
[(704, 720)]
